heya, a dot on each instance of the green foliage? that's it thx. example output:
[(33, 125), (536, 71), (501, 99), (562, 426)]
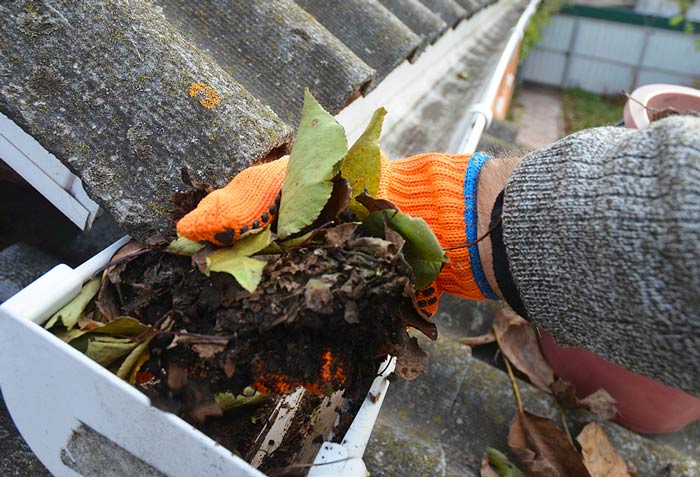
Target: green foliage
[(422, 250), (583, 110), (70, 313), (504, 467), (681, 19), (317, 155), (184, 246), (361, 166), (533, 32), (236, 260)]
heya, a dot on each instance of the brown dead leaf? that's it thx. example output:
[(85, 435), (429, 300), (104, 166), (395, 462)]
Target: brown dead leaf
[(177, 377), (565, 393), (338, 235), (229, 366), (542, 449), (204, 410), (373, 205), (318, 293), (339, 199), (374, 246), (600, 402), (520, 345), (121, 259), (478, 340), (351, 314), (106, 301), (208, 350), (599, 456), (187, 201), (413, 316), (411, 361)]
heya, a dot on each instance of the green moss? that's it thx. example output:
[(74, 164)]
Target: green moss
[(583, 110)]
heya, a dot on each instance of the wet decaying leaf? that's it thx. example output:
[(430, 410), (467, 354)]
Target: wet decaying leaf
[(323, 316), (599, 456), (542, 449)]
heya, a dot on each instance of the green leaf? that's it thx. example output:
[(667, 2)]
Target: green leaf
[(677, 20), (504, 467), (107, 349), (70, 313), (422, 250), (134, 360), (250, 397), (317, 155), (184, 246), (237, 262), (361, 166), (125, 326)]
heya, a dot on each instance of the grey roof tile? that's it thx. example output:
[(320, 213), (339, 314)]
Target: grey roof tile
[(471, 6), (368, 29), (418, 18), (449, 10), (273, 48), (118, 95)]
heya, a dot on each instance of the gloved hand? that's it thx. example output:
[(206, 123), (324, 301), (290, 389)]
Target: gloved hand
[(430, 186)]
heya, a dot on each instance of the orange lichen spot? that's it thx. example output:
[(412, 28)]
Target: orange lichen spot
[(207, 96)]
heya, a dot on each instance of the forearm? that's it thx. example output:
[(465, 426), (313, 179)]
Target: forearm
[(602, 233)]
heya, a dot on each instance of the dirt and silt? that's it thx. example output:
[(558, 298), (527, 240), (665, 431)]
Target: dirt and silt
[(324, 316)]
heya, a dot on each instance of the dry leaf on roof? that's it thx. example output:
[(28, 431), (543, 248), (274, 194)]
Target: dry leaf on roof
[(412, 361), (599, 456), (520, 345), (542, 448), (600, 402)]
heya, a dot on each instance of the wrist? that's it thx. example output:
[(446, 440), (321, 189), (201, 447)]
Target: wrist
[(493, 178)]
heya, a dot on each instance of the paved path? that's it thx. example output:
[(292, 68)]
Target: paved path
[(540, 118)]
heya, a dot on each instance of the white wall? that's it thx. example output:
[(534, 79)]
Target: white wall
[(607, 57)]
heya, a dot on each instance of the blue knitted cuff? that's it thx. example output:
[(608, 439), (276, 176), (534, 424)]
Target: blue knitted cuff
[(471, 180)]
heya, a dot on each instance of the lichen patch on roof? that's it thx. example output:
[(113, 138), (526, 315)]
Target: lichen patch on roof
[(274, 49)]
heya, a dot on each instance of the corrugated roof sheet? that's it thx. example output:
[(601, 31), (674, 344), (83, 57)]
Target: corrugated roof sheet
[(449, 10), (470, 6), (125, 101), (368, 29), (418, 18), (274, 49), (128, 93)]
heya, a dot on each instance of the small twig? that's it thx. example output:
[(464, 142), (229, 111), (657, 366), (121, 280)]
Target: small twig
[(486, 234), (516, 390), (315, 233), (283, 470), (120, 261), (565, 425)]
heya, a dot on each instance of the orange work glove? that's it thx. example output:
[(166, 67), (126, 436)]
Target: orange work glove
[(430, 186)]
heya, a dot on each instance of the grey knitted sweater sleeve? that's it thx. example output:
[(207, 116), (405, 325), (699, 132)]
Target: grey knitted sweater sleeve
[(602, 233)]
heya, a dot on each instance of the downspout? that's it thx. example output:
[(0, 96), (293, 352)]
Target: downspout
[(481, 111)]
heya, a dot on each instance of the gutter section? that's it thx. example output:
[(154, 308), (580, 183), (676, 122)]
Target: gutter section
[(480, 114)]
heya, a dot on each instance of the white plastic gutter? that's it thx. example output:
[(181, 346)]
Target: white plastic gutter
[(481, 111)]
